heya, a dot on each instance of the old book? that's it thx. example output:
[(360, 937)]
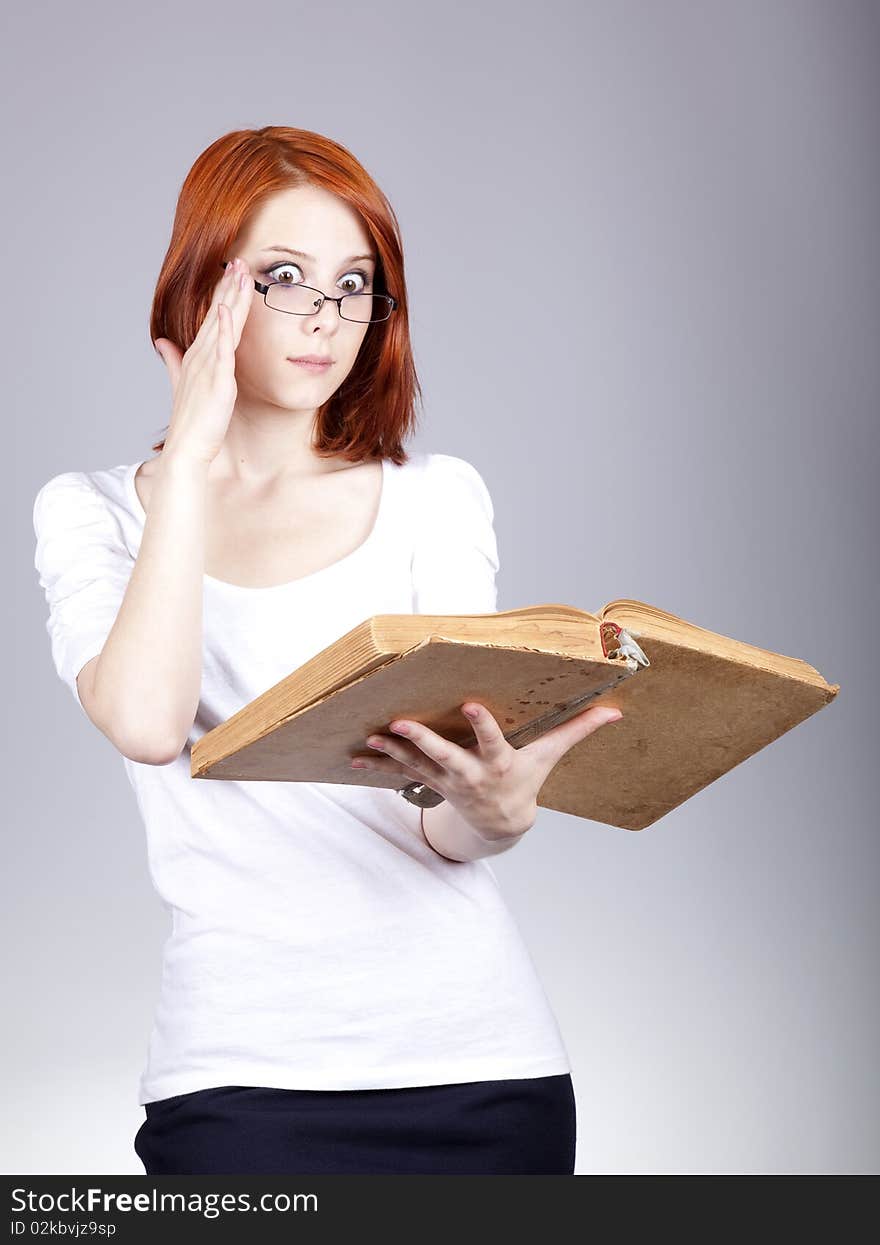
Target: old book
[(695, 703)]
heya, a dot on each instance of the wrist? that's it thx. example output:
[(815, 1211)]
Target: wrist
[(176, 460), (451, 836)]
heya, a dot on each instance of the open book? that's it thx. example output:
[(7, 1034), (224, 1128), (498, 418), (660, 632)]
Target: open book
[(694, 703)]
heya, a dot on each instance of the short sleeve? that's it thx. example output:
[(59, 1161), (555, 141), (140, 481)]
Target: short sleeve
[(455, 556), (84, 568)]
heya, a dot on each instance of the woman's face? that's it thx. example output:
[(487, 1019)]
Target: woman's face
[(321, 225)]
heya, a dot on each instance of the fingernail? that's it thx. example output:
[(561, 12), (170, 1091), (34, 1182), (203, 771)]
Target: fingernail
[(616, 718)]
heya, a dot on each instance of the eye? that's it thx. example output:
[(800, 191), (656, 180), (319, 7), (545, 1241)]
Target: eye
[(270, 272), (288, 267), (357, 272)]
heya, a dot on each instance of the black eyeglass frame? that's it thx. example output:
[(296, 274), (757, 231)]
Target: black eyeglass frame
[(325, 298)]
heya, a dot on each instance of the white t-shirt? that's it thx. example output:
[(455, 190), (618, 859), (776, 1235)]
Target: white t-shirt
[(317, 940)]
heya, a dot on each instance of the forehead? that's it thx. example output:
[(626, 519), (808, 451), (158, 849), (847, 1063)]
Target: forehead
[(307, 218)]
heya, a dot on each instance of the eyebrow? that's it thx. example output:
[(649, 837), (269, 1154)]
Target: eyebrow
[(287, 250)]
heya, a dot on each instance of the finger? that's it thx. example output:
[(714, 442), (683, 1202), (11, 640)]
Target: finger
[(233, 297), (405, 753), (205, 341), (224, 283), (490, 737), (387, 765), (555, 743), (225, 344), (206, 337), (424, 747), (244, 292)]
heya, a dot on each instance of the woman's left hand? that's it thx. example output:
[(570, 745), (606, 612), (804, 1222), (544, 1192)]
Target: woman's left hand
[(493, 786)]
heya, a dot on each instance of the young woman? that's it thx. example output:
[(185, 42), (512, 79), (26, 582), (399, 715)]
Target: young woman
[(343, 986)]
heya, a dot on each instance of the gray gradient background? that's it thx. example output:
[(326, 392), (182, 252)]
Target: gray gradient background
[(685, 413)]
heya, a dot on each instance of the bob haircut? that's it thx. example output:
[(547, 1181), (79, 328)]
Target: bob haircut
[(373, 410)]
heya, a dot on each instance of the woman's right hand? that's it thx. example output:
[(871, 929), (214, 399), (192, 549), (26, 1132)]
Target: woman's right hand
[(203, 379)]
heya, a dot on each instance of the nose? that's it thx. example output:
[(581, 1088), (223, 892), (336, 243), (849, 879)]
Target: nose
[(327, 317)]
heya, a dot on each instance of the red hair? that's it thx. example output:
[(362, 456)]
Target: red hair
[(373, 410)]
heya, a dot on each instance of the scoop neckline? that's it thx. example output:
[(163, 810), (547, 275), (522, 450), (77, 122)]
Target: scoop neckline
[(242, 589)]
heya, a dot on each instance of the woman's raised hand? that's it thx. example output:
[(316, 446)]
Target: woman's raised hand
[(203, 379)]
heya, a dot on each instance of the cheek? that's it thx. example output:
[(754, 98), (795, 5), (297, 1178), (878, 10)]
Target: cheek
[(266, 340), (262, 341), (350, 349)]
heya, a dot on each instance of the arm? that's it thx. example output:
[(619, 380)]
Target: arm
[(451, 836), (145, 684), (127, 633)]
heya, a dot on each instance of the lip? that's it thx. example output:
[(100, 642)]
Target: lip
[(318, 363)]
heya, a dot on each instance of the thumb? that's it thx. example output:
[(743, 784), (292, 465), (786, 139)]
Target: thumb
[(553, 744), (171, 355)]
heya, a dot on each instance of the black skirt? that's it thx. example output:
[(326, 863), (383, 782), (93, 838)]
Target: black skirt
[(520, 1126)]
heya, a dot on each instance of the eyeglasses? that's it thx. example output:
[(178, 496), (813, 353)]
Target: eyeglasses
[(305, 300)]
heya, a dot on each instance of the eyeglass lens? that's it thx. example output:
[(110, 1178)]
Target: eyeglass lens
[(302, 300)]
